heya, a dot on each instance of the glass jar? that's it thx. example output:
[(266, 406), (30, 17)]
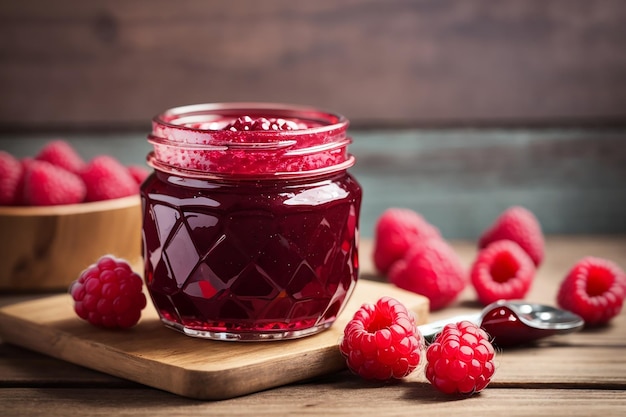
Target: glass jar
[(250, 233)]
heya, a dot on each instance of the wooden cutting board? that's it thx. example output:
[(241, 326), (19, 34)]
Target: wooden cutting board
[(156, 356)]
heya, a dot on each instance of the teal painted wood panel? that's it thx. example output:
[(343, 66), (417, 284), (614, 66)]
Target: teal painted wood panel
[(574, 180)]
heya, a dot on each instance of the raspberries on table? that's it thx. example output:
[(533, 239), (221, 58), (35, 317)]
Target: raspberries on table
[(382, 341), (414, 256), (432, 269), (522, 227), (109, 294), (502, 271), (397, 229), (594, 289), (58, 175), (460, 359)]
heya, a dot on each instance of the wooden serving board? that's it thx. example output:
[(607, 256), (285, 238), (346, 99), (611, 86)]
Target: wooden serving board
[(154, 355)]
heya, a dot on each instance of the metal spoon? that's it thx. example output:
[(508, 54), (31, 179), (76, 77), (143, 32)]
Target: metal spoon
[(514, 322)]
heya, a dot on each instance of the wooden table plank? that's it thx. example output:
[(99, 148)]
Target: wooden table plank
[(23, 368), (324, 398)]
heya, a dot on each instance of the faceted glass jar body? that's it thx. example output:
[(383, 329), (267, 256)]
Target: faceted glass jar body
[(265, 245)]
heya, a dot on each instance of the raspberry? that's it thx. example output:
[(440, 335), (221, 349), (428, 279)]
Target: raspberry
[(247, 123), (432, 269), (46, 185), (522, 227), (502, 271), (22, 199), (61, 154), (397, 229), (106, 179), (460, 359), (382, 341), (138, 173), (109, 294), (10, 176), (594, 289)]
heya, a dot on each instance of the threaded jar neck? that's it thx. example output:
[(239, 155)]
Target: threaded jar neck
[(212, 141)]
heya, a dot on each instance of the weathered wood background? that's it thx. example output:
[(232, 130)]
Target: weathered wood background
[(458, 108), (116, 63)]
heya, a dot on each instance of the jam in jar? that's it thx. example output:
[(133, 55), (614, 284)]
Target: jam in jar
[(250, 220)]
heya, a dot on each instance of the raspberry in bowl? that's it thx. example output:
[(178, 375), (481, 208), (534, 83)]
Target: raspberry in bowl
[(250, 227), (59, 213)]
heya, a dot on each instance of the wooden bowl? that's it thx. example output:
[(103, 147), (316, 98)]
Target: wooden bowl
[(46, 248)]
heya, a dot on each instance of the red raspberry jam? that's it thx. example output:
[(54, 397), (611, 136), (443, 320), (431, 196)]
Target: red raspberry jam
[(251, 219)]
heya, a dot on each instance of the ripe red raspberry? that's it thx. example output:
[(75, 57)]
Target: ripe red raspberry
[(46, 185), (522, 227), (594, 289), (10, 176), (432, 269), (109, 294), (460, 359), (61, 154), (397, 229), (247, 123), (106, 179), (382, 341), (21, 198), (138, 173), (502, 271)]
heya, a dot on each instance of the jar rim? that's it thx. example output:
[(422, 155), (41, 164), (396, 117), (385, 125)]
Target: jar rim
[(175, 116)]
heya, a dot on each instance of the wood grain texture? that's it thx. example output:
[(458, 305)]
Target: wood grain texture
[(328, 397), (116, 64), (25, 368), (158, 357), (46, 248)]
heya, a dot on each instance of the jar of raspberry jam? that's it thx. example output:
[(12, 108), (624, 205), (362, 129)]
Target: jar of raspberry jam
[(250, 220)]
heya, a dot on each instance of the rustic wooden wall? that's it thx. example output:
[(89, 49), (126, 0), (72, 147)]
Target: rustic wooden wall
[(113, 64)]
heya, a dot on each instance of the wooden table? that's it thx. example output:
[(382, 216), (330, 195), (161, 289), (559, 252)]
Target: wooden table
[(579, 374)]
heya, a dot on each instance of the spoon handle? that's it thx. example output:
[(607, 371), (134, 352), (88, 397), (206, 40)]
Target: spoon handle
[(430, 330)]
